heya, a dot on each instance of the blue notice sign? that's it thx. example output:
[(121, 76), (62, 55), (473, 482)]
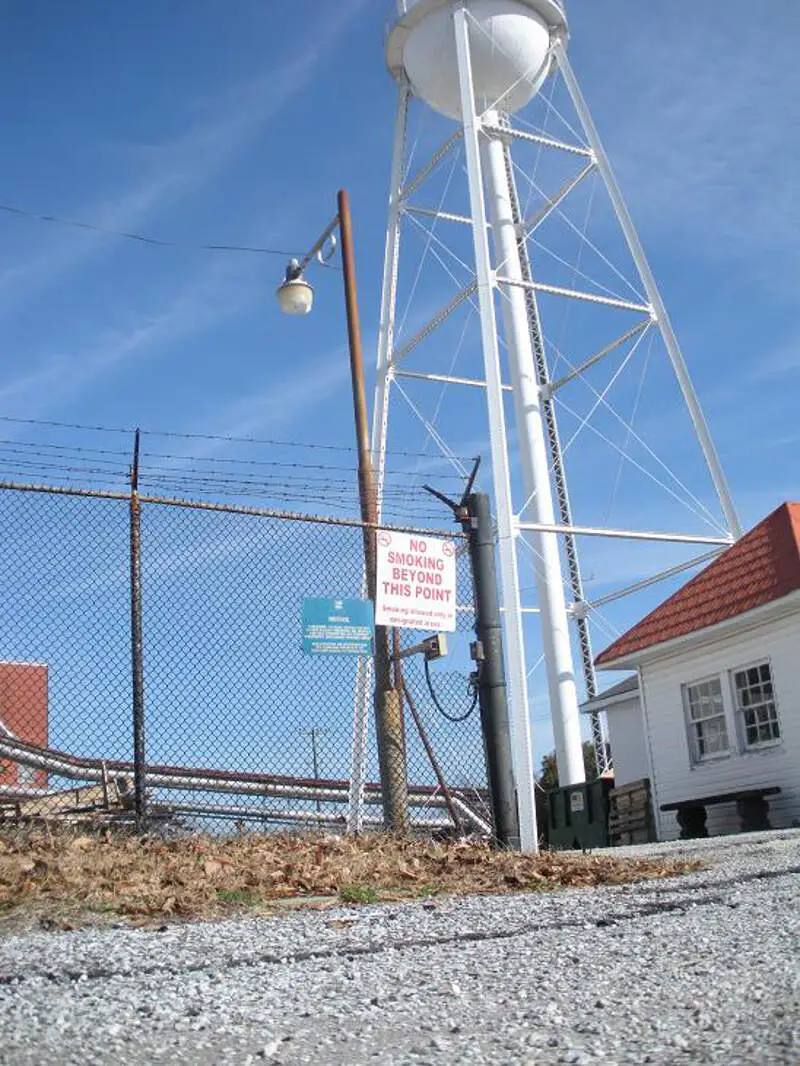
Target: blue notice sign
[(338, 627)]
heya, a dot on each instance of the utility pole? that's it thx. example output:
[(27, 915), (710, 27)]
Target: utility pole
[(388, 701), (474, 514), (295, 296), (313, 733)]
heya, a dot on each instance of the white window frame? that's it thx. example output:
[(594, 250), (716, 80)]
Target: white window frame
[(695, 758), (738, 712)]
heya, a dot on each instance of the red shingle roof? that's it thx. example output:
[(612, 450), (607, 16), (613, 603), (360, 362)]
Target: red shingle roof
[(761, 567)]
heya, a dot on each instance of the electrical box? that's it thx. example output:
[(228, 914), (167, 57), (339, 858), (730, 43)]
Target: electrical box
[(578, 815), (436, 646)]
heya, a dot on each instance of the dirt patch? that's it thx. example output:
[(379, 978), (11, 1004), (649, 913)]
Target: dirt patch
[(62, 878)]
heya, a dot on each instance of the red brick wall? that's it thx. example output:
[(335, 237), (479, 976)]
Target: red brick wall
[(23, 712)]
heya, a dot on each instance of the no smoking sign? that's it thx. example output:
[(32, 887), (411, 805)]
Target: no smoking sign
[(416, 582)]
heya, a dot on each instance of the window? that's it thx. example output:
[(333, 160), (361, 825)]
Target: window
[(708, 733), (755, 703)]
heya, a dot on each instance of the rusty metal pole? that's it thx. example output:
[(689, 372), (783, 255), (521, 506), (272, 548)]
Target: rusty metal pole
[(137, 667), (403, 689), (398, 683), (388, 706)]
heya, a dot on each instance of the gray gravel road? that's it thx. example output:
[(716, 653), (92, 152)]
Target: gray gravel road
[(700, 969)]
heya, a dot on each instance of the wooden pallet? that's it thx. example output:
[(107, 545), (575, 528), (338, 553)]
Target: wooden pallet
[(631, 814), (111, 796)]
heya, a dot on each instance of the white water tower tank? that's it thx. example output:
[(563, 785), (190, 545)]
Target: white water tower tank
[(509, 45)]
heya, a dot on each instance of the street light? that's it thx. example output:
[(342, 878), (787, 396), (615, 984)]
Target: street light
[(296, 297)]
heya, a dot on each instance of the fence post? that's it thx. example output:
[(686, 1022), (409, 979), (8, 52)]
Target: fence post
[(491, 671), (137, 668)]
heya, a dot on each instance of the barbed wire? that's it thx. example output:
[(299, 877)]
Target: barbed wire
[(289, 483), (222, 437), (343, 501), (279, 475), (46, 450)]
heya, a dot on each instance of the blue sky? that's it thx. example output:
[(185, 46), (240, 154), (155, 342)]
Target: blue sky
[(202, 121), (205, 122)]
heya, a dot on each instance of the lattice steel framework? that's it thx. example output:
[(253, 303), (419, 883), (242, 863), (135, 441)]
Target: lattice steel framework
[(459, 225)]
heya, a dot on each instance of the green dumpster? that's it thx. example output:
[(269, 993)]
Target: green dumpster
[(578, 815)]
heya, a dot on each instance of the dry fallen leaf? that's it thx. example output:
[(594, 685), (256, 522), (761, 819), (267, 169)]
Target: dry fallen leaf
[(81, 844), (93, 874)]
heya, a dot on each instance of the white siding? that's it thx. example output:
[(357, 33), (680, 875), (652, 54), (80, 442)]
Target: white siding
[(626, 736), (675, 777)]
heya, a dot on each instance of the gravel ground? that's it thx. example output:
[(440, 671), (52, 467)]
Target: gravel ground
[(698, 969)]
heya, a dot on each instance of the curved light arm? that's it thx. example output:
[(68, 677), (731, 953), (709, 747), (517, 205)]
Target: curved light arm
[(319, 244)]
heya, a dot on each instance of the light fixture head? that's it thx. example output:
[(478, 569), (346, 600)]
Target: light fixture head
[(295, 295)]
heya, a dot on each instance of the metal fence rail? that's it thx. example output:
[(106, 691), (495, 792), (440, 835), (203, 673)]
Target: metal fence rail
[(203, 648)]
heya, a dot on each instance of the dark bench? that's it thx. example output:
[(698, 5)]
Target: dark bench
[(751, 806)]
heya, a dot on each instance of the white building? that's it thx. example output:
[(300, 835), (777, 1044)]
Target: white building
[(714, 707), (623, 712)]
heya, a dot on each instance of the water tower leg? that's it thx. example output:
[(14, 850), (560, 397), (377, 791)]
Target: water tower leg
[(535, 465), (514, 645), (580, 611), (383, 372)]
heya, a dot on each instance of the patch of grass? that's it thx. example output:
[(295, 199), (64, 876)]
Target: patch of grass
[(93, 873), (234, 895), (427, 891), (358, 894), (103, 906)]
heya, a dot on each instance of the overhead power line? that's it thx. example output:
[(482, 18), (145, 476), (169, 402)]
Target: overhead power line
[(142, 238)]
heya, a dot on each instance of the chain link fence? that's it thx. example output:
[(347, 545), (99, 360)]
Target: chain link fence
[(238, 725)]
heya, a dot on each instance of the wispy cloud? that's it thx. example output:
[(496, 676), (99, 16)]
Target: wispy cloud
[(221, 288), (781, 361), (709, 155), (270, 411), (234, 120), (218, 291)]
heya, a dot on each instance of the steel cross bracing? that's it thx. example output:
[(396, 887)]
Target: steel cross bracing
[(592, 162), (575, 581), (380, 412), (651, 288), (401, 206)]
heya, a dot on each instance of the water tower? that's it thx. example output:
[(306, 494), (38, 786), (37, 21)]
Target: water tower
[(478, 65)]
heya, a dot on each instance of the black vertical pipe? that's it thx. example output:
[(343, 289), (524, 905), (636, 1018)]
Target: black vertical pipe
[(137, 668), (492, 694)]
